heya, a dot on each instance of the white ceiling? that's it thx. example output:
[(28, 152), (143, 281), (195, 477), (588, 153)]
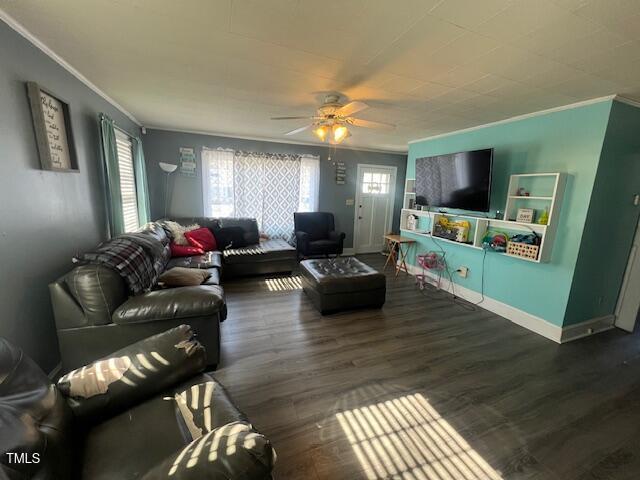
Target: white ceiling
[(429, 66)]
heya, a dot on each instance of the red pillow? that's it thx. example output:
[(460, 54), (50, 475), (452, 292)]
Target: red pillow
[(202, 238), (184, 250)]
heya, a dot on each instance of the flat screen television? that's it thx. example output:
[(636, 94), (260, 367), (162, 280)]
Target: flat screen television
[(456, 180)]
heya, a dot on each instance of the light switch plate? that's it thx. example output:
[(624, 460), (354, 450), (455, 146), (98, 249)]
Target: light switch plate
[(350, 201)]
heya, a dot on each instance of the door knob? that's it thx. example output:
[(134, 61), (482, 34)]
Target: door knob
[(359, 218)]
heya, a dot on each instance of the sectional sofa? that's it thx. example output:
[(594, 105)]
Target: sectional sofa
[(96, 313)]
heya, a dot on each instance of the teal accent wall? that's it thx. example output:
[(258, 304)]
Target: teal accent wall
[(611, 220), (568, 141)]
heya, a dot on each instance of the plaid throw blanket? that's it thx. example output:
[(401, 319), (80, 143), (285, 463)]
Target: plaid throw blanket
[(159, 254), (130, 259)]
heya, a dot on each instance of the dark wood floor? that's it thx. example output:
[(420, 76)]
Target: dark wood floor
[(427, 389)]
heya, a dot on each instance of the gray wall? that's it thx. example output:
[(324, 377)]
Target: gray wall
[(186, 198), (45, 217)]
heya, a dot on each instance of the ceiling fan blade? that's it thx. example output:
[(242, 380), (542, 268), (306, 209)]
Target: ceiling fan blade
[(298, 130), (351, 108), (358, 122), (293, 118)]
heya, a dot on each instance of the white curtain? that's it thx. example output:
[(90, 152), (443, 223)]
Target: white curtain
[(217, 182), (267, 187), (309, 183)]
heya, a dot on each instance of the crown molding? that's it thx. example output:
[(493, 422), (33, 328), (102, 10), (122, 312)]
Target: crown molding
[(531, 115), (628, 101), (19, 28), (277, 140)]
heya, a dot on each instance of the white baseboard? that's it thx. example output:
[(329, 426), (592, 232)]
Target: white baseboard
[(586, 328), (517, 316), (524, 319)]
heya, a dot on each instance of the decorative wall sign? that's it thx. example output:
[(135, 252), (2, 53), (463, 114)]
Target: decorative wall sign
[(52, 126), (187, 161), (525, 215), (341, 173)]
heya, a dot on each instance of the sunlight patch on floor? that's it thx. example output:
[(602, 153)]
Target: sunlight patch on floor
[(283, 284), (406, 438)]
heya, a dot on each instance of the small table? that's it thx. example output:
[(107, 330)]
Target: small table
[(394, 241)]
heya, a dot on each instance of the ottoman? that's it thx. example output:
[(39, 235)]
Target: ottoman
[(342, 283)]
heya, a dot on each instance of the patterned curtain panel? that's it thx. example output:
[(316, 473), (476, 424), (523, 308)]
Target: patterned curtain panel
[(267, 187)]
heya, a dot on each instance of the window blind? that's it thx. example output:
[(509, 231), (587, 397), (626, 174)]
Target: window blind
[(127, 181)]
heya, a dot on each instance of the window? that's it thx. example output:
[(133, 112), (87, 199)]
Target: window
[(267, 187), (309, 183), (124, 147), (218, 182), (376, 183)]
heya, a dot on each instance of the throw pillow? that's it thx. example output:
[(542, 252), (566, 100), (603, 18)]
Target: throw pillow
[(202, 238), (184, 277), (230, 237), (184, 251), (178, 231)]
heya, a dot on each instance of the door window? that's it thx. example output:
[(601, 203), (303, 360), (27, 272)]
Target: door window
[(376, 183)]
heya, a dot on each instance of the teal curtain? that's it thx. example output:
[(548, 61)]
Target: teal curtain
[(142, 190), (112, 176)]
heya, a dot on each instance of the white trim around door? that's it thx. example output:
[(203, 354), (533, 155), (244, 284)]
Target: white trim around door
[(391, 205), (629, 297)]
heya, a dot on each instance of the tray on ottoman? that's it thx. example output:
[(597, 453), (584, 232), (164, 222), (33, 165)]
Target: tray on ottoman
[(342, 283)]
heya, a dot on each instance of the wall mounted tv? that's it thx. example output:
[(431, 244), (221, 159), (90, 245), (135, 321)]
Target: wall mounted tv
[(456, 180)]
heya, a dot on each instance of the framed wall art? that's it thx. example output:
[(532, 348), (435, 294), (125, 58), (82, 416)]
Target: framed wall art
[(52, 126)]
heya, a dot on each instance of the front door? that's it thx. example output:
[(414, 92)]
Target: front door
[(374, 206)]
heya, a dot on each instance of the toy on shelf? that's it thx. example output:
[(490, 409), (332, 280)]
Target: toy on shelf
[(544, 217), (432, 261), (495, 241), (455, 231), (412, 222)]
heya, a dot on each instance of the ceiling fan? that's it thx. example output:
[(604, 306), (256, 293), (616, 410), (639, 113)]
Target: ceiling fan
[(332, 120)]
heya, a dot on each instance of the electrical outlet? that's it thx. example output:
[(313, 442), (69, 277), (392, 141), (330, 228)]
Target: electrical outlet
[(463, 272)]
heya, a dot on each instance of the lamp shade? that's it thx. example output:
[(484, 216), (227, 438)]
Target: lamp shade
[(168, 167)]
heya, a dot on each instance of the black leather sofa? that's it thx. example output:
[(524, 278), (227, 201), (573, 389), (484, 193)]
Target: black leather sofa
[(131, 429), (258, 257), (95, 313), (316, 234)]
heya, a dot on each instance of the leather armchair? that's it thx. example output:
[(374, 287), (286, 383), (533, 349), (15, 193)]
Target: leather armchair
[(316, 235), (125, 427)]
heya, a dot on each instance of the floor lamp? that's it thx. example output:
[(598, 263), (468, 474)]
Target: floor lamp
[(168, 169)]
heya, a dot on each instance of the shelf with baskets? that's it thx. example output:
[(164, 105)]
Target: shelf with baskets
[(544, 194)]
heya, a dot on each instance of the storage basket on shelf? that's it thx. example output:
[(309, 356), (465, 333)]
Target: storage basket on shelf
[(523, 250)]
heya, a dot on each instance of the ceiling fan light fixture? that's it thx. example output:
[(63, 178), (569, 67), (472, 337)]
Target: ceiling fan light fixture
[(321, 132), (340, 132)]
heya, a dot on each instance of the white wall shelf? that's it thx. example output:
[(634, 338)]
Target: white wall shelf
[(552, 183)]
